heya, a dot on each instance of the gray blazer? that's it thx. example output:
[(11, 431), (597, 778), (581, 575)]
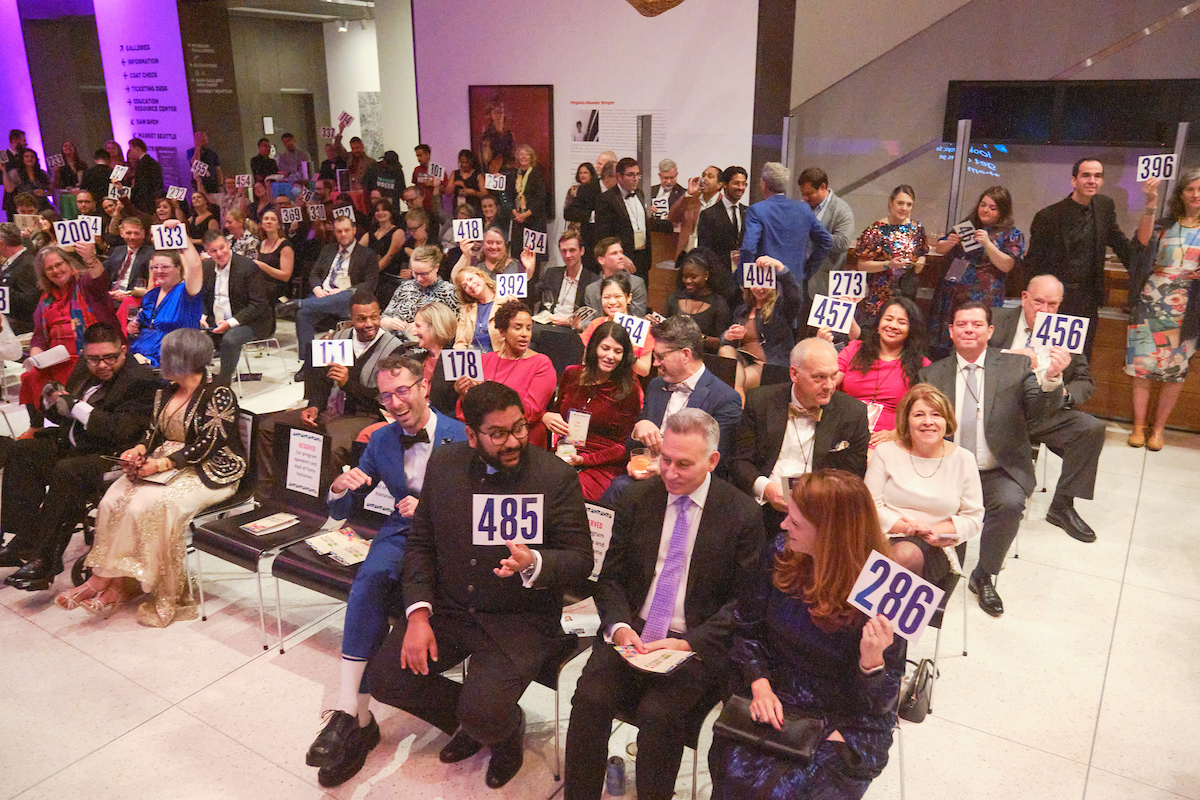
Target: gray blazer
[(838, 219), (1012, 402), (637, 307)]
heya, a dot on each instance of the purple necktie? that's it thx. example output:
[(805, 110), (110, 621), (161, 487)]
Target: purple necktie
[(662, 608)]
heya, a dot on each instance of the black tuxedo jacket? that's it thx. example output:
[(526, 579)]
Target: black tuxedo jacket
[(677, 191), (249, 295), (23, 292), (727, 545), (147, 183), (841, 439), (1077, 377), (1012, 402), (120, 417), (444, 568), (141, 263), (612, 219), (364, 267), (715, 229), (1049, 252), (552, 280)]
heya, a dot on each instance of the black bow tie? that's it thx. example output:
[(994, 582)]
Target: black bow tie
[(417, 438)]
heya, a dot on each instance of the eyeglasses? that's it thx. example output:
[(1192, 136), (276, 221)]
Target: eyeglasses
[(96, 361), (421, 274), (660, 357), (402, 393), (499, 437)]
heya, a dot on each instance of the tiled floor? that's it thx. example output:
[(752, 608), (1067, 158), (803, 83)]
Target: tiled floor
[(1088, 687)]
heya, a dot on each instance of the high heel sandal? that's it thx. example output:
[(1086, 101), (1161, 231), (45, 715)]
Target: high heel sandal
[(69, 601), (98, 607)]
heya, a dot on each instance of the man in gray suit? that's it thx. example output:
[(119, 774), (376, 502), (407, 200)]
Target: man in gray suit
[(995, 412), (834, 213)]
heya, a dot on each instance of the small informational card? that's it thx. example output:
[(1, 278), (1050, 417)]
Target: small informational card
[(535, 240), (332, 351), (304, 196), (884, 588), (289, 215), (55, 161), (4, 309), (829, 312), (345, 119), (512, 285), (501, 518), (304, 462), (637, 328), (583, 315), (116, 191), (328, 133), (119, 172), (578, 423), (31, 222), (436, 171), (966, 236), (380, 500), (316, 211), (271, 524), (243, 181), (177, 193), (659, 662), (1162, 166), (468, 230), (343, 545), (600, 524), (660, 206), (173, 237), (756, 277), (495, 182), (344, 211), (457, 363), (200, 169), (849, 284), (71, 232), (582, 618), (1060, 330)]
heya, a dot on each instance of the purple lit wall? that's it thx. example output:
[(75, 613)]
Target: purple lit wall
[(18, 109), (145, 78)]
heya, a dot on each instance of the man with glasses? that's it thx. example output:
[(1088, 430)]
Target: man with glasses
[(394, 461), (495, 541), (103, 410), (423, 287), (621, 213)]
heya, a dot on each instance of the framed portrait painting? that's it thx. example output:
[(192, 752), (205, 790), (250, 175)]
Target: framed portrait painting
[(503, 118)]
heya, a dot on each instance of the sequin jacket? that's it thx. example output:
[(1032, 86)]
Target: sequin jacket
[(213, 445)]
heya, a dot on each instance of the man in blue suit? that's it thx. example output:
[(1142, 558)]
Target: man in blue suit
[(783, 228), (396, 455), (682, 382)]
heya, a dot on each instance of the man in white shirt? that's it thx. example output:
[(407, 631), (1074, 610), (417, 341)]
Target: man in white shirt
[(237, 301), (610, 254), (709, 535), (620, 213), (997, 400), (566, 284), (721, 226)]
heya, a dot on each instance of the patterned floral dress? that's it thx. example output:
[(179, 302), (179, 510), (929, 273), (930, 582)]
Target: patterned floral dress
[(883, 242), (976, 279), (1155, 348)]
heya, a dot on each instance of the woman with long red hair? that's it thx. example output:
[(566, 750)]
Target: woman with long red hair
[(802, 647)]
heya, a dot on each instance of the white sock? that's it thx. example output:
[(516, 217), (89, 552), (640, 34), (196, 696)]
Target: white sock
[(352, 672), (364, 713)]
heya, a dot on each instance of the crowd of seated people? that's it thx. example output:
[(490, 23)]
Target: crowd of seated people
[(906, 437)]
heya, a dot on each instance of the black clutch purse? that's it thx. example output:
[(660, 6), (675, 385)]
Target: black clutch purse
[(798, 741)]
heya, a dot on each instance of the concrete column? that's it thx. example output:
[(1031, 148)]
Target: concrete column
[(397, 78)]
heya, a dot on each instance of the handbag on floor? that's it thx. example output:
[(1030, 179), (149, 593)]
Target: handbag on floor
[(798, 741), (915, 696)]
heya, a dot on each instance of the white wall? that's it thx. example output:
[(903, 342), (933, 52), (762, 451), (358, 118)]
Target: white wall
[(352, 67), (398, 96)]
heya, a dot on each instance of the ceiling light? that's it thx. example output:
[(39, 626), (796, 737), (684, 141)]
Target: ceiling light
[(342, 26), (362, 23)]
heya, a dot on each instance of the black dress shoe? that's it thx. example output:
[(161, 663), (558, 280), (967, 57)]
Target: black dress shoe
[(1064, 515), (36, 575), (507, 758), (460, 747), (11, 555), (330, 745), (358, 746), (989, 598)]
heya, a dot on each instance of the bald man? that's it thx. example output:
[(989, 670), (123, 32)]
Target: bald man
[(1073, 435)]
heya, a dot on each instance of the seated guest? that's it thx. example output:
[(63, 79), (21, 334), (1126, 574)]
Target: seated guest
[(276, 256), (996, 410), (128, 266), (615, 296), (926, 488), (477, 306), (418, 230), (881, 366), (605, 389), (433, 328), (231, 198), (564, 287), (797, 428), (339, 401), (395, 458), (74, 295), (103, 410), (237, 302), (341, 269), (612, 259), (1073, 435), (696, 295), (424, 287), (803, 648), (240, 234), (142, 525), (491, 255), (762, 331), (492, 610), (176, 301), (706, 535), (386, 240), (263, 201), (517, 366), (202, 219), (19, 277)]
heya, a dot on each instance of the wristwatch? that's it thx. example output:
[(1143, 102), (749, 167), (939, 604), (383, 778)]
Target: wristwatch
[(527, 573)]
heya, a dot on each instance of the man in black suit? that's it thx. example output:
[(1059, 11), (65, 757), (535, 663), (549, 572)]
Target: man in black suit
[(804, 426), (1076, 437), (669, 582), (721, 224), (103, 411), (96, 177), (129, 264), (582, 210), (342, 268), (499, 603), (1068, 240), (147, 177), (566, 284), (668, 187), (621, 213), (17, 274), (237, 301), (995, 415)]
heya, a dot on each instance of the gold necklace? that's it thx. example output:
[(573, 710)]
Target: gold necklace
[(941, 458)]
